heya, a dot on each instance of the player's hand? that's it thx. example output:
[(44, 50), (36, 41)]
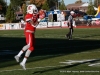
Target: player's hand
[(22, 22), (39, 20)]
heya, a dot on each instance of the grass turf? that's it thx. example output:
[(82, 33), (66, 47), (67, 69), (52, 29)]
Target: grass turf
[(51, 48)]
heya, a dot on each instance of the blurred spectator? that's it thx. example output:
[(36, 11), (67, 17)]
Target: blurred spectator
[(93, 22), (89, 22), (62, 16), (97, 22)]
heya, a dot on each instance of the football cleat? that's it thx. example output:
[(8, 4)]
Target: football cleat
[(23, 66), (16, 58)]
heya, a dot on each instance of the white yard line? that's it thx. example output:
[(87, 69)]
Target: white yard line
[(31, 68), (95, 64)]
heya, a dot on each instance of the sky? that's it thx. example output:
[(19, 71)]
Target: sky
[(65, 1)]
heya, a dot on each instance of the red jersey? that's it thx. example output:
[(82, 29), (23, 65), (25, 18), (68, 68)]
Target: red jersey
[(28, 17)]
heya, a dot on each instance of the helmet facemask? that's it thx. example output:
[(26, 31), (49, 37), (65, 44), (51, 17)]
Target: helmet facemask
[(35, 11)]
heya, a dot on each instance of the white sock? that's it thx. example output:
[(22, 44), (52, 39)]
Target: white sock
[(20, 53), (24, 60), (28, 52)]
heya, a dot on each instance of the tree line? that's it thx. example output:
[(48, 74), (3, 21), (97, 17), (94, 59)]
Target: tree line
[(16, 5)]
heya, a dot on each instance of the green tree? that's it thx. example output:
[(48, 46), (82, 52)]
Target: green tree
[(3, 7), (62, 5), (9, 14), (38, 3), (52, 3), (45, 6), (49, 3), (24, 9), (79, 1), (96, 3), (12, 8), (90, 10), (16, 3)]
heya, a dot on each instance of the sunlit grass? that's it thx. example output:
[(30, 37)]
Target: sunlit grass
[(52, 47)]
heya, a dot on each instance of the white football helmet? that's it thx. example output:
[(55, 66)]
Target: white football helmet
[(31, 9), (72, 12)]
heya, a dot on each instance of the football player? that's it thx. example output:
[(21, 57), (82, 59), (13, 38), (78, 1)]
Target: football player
[(31, 20)]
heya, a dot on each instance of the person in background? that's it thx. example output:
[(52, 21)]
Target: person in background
[(89, 22), (62, 16), (31, 21), (70, 25)]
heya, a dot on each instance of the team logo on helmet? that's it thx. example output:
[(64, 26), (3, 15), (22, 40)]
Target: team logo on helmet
[(32, 9)]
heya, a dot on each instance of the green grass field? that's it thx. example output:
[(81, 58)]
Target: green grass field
[(54, 54)]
